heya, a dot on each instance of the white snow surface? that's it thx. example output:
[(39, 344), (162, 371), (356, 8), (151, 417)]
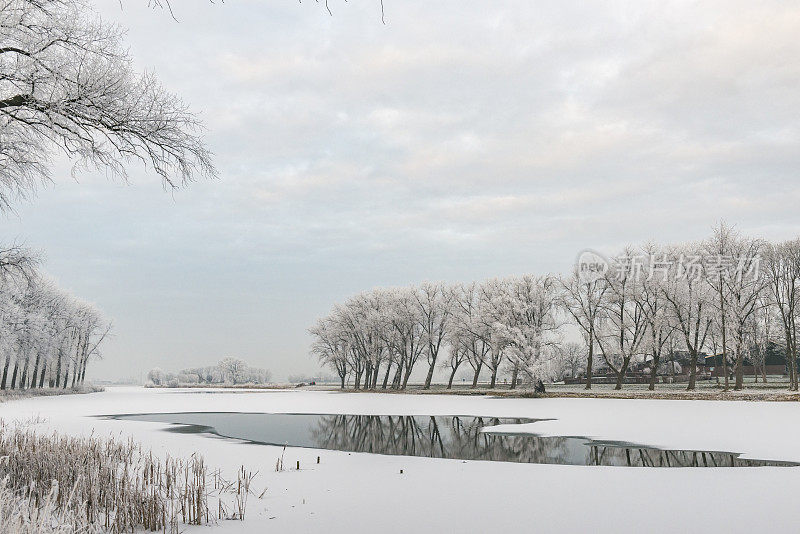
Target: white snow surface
[(354, 492)]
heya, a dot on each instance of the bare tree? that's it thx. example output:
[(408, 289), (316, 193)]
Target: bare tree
[(783, 277), (572, 358), (582, 300), (435, 306), (621, 330), (689, 299), (654, 305), (468, 327), (458, 354)]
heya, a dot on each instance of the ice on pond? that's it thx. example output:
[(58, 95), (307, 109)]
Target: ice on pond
[(454, 437)]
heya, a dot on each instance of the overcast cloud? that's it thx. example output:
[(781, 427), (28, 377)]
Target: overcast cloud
[(459, 141)]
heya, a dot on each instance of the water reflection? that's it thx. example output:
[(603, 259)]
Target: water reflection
[(455, 437)]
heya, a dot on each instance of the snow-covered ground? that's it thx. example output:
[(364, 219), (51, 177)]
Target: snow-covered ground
[(352, 492)]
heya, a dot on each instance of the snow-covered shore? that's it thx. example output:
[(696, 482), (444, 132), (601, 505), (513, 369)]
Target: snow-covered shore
[(361, 493)]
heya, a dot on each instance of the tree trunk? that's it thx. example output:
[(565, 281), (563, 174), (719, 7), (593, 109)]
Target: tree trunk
[(477, 374), (58, 370), (514, 375), (590, 358), (83, 370), (14, 374), (5, 370), (789, 356), (386, 376), (35, 372), (494, 378), (739, 367), (618, 383), (44, 371), (626, 362), (654, 372), (367, 375), (724, 336), (407, 376), (430, 375), (23, 380), (792, 351), (398, 374), (692, 371), (375, 373), (452, 375), (357, 384)]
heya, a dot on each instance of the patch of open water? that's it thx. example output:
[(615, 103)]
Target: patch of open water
[(455, 437)]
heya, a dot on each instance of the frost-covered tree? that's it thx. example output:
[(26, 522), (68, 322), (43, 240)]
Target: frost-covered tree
[(330, 348), (469, 329), (654, 306), (47, 336), (621, 330), (735, 269), (156, 376), (582, 300), (233, 370), (690, 301), (435, 308), (782, 270), (524, 312), (67, 84)]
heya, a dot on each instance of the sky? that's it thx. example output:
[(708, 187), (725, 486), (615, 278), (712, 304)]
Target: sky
[(458, 141)]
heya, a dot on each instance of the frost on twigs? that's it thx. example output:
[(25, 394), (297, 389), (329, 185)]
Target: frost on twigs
[(67, 84)]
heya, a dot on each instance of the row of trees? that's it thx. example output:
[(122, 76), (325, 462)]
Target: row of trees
[(379, 336), (227, 371), (730, 295), (47, 336)]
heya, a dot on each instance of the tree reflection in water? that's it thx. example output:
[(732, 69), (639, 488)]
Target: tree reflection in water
[(461, 438), (436, 437)]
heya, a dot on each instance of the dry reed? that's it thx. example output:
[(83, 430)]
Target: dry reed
[(107, 485)]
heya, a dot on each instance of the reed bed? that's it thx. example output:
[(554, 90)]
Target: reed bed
[(19, 514), (92, 485)]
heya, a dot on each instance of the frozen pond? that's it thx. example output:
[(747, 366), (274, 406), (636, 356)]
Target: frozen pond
[(454, 437)]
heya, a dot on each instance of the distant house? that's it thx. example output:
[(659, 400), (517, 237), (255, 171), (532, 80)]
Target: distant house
[(774, 362)]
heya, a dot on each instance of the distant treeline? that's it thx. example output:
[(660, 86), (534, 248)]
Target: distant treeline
[(228, 371)]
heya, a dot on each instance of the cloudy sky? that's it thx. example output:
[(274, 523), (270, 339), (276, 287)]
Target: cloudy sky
[(460, 140)]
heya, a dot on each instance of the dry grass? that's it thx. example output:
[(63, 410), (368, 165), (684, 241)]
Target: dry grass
[(774, 390), (105, 485), (13, 394)]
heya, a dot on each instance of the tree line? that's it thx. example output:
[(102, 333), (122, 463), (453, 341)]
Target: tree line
[(730, 295), (228, 371), (47, 336)]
